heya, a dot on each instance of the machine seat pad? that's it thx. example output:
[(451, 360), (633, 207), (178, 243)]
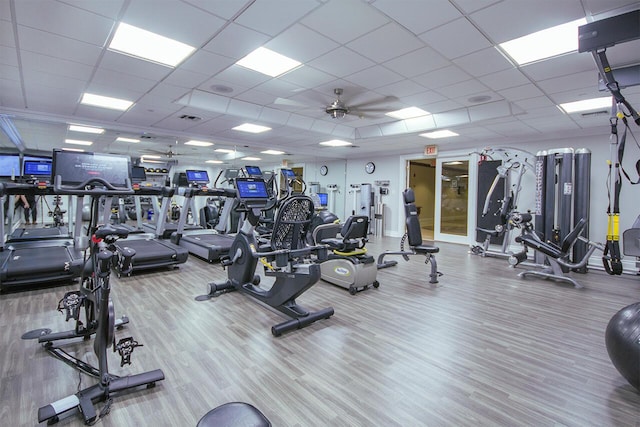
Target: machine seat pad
[(426, 249), (546, 248), (234, 414), (490, 231), (356, 252)]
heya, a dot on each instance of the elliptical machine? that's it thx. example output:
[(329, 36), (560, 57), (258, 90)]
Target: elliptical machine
[(87, 173), (285, 257)]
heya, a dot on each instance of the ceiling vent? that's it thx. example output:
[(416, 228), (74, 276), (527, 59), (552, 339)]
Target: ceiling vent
[(189, 117), (595, 113), (147, 137)]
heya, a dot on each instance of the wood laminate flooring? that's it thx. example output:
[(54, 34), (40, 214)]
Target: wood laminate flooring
[(484, 348)]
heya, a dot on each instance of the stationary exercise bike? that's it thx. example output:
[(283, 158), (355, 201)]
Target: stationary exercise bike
[(285, 257), (94, 295)]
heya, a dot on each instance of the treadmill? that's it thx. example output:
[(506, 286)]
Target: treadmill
[(38, 171), (151, 252), (30, 263), (204, 243)]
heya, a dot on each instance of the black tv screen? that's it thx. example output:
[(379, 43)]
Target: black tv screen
[(9, 165), (75, 168), (138, 174), (251, 189), (37, 167), (253, 170), (199, 177), (288, 173)]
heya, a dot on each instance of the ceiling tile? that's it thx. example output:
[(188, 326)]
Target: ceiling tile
[(402, 88), (483, 62), (441, 77), (301, 43), (47, 43), (456, 39), (528, 104), (137, 67), (109, 9), (386, 42), (586, 79), (469, 6), (335, 19), (374, 77), (11, 94), (521, 92), (110, 78), (307, 77), (236, 41), (206, 63), (10, 73), (504, 79), (55, 81), (421, 15), (185, 78), (55, 66), (237, 76), (560, 66), (263, 17), (511, 19), (417, 62), (176, 20), (64, 20), (8, 56), (341, 62), (462, 89), (223, 8), (6, 33)]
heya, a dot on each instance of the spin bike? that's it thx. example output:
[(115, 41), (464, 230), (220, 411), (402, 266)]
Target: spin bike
[(285, 257), (99, 317)]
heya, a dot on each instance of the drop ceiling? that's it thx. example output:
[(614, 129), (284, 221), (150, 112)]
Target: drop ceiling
[(439, 55)]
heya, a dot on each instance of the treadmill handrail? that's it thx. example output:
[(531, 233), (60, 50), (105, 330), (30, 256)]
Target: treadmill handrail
[(90, 187)]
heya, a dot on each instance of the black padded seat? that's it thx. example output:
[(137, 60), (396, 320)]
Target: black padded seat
[(234, 414), (423, 249)]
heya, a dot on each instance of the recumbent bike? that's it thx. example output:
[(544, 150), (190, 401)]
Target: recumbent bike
[(286, 257)]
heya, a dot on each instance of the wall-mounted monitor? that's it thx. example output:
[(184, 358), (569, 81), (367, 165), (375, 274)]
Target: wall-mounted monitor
[(36, 167), (9, 165), (75, 168), (324, 199), (253, 171), (288, 173), (197, 177)]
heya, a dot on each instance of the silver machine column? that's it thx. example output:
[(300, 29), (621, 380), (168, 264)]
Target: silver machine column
[(366, 203)]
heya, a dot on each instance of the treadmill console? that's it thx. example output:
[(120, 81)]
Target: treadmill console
[(252, 192), (75, 170), (197, 178), (253, 171)]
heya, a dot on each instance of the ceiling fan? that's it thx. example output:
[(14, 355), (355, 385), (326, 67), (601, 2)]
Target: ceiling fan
[(169, 153), (338, 109)]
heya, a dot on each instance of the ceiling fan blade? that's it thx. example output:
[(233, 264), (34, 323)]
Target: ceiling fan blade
[(386, 99)]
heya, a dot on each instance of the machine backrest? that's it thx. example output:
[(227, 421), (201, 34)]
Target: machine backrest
[(414, 233), (571, 238), (292, 223), (355, 227)]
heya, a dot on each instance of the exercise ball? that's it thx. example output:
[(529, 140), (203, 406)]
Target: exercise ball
[(623, 343)]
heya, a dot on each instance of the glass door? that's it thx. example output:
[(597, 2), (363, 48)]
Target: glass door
[(452, 210)]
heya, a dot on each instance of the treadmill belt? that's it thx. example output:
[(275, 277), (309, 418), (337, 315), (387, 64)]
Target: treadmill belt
[(39, 260), (39, 233), (154, 253)]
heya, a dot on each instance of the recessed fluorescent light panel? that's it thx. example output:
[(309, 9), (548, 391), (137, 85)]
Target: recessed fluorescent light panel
[(407, 113), (586, 104), (336, 143), (132, 140), (224, 150), (85, 129), (216, 162), (79, 150), (251, 159), (149, 46), (439, 134), (544, 44), (268, 62), (273, 152), (199, 143), (77, 142), (251, 128), (105, 102), (151, 156)]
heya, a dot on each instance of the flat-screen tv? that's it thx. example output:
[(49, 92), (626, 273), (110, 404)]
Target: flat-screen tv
[(253, 171), (324, 199), (251, 189), (138, 174), (198, 177), (288, 173), (75, 168), (9, 165), (36, 166)]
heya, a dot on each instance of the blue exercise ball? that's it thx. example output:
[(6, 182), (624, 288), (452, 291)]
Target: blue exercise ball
[(623, 343)]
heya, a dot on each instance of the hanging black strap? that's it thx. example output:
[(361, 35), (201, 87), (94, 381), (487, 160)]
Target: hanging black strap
[(621, 147), (600, 56)]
